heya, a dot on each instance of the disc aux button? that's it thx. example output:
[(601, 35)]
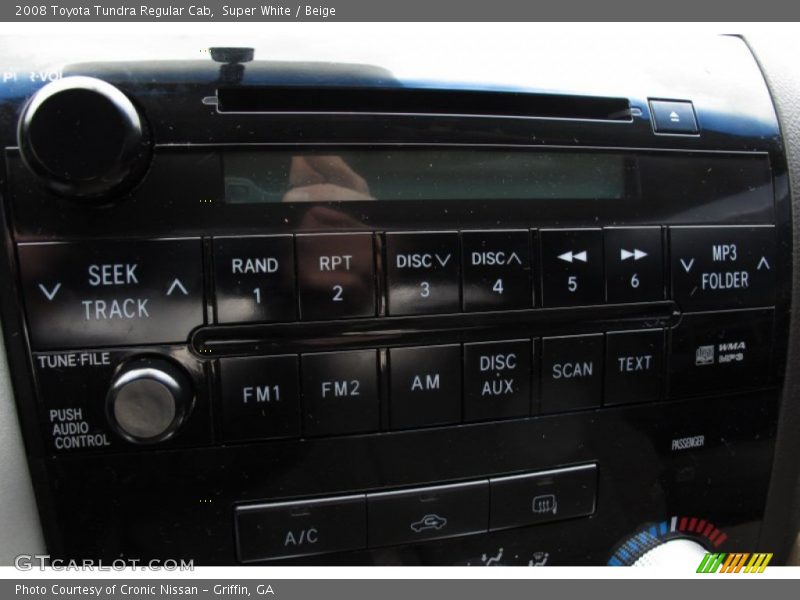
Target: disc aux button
[(91, 294)]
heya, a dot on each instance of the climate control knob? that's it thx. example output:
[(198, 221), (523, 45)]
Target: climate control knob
[(149, 399), (84, 138), (678, 542), (677, 553)]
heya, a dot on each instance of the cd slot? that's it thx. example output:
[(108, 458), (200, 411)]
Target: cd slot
[(372, 100), (346, 334)]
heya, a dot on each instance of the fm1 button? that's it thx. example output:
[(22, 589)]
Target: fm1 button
[(497, 380), (572, 372), (634, 366), (714, 353), (572, 267), (254, 279), (497, 270), (634, 264), (418, 515), (340, 392), (260, 397), (722, 267), (87, 294), (423, 273), (303, 528), (336, 275), (425, 386)]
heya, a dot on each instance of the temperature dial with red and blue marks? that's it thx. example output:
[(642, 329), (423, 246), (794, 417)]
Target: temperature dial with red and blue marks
[(676, 540)]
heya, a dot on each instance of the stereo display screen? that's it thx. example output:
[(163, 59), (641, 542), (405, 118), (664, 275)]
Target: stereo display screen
[(262, 176)]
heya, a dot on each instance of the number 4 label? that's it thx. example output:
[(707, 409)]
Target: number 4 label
[(498, 286)]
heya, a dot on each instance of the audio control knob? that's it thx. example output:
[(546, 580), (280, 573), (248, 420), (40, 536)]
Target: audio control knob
[(83, 138), (149, 399)]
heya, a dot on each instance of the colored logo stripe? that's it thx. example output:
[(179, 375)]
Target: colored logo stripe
[(734, 563)]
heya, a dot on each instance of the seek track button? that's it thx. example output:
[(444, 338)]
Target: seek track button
[(94, 294)]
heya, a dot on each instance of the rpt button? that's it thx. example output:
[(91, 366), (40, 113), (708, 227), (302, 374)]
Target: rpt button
[(723, 267), (336, 273), (80, 294)]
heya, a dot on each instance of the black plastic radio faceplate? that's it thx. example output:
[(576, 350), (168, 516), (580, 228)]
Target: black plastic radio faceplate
[(363, 370)]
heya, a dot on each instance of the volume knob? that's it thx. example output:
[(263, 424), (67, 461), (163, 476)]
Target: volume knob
[(149, 399), (83, 138)]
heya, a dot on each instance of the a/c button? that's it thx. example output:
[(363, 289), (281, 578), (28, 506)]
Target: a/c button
[(289, 529)]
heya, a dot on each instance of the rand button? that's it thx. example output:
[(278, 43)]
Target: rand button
[(254, 279)]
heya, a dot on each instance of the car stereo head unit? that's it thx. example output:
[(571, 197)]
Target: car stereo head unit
[(264, 311)]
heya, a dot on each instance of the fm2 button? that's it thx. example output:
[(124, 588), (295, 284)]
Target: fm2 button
[(90, 294), (340, 392), (254, 279), (260, 397), (497, 270), (634, 264), (722, 267), (572, 267), (423, 273), (336, 275)]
